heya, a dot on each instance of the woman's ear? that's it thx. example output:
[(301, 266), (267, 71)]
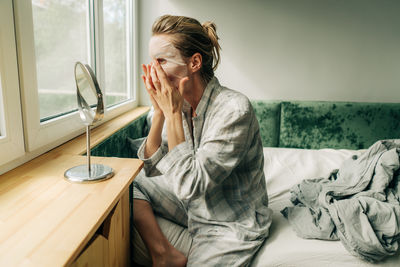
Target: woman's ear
[(195, 62)]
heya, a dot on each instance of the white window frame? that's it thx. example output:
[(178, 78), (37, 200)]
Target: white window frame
[(11, 139), (61, 129)]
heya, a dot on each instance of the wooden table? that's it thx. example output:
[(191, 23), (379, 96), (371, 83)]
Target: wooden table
[(45, 220)]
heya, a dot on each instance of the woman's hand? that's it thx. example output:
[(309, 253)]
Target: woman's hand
[(154, 138), (168, 98), (150, 88)]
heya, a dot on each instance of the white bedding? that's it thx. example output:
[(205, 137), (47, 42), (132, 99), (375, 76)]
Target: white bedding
[(284, 168)]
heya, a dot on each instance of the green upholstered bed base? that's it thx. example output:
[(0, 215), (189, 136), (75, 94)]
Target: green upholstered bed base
[(319, 124), (118, 145), (296, 124)]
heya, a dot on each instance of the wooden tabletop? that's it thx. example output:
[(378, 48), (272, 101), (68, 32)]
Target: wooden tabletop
[(45, 220)]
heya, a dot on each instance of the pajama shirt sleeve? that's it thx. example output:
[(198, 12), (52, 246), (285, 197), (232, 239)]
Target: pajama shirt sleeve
[(221, 150), (149, 163)]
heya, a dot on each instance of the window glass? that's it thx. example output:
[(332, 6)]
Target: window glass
[(116, 51), (61, 36)]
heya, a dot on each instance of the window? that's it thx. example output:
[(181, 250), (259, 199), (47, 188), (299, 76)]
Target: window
[(51, 36), (11, 133), (61, 37), (116, 50)]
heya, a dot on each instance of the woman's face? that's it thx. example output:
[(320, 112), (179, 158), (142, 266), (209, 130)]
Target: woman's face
[(174, 65)]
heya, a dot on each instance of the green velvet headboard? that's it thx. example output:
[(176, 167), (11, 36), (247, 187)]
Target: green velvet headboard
[(319, 124), (297, 124), (118, 145)]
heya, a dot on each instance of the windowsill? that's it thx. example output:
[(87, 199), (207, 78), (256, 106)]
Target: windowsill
[(77, 146), (75, 143)]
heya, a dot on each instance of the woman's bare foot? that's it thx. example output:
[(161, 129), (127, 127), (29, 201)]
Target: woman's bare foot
[(170, 258)]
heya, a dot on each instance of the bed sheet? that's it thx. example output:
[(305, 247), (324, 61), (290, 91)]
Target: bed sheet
[(284, 168)]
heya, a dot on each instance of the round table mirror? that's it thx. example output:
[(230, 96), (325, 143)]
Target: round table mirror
[(91, 110)]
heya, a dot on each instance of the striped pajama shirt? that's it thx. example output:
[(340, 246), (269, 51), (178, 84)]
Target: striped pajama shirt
[(213, 183)]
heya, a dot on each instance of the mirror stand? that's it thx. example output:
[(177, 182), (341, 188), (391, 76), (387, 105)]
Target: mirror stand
[(89, 172), (91, 110)]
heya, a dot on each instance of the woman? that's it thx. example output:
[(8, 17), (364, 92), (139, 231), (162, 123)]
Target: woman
[(208, 174)]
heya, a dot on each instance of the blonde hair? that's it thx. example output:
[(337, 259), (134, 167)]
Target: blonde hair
[(190, 37)]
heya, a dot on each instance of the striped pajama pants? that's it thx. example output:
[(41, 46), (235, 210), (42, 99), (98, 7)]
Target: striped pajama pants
[(211, 245)]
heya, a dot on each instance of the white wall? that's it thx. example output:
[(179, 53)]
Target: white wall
[(339, 50)]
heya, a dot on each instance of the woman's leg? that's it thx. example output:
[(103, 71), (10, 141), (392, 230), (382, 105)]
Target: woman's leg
[(161, 251), (152, 195)]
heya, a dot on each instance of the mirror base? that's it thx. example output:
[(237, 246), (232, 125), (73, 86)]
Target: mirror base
[(81, 173)]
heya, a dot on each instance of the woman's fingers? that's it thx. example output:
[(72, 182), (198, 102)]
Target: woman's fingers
[(154, 78), (144, 68), (151, 92), (160, 72), (147, 78), (146, 84), (148, 70), (149, 75)]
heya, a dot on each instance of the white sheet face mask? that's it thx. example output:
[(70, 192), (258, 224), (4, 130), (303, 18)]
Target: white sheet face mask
[(169, 57)]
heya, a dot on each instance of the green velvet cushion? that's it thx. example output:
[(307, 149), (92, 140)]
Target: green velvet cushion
[(267, 113), (347, 125), (118, 145)]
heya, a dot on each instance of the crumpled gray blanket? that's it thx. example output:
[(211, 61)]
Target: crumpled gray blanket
[(358, 204)]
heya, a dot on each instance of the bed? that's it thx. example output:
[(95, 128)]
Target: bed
[(312, 139), (302, 140), (283, 247)]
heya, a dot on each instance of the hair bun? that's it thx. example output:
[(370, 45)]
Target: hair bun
[(209, 26), (211, 30)]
